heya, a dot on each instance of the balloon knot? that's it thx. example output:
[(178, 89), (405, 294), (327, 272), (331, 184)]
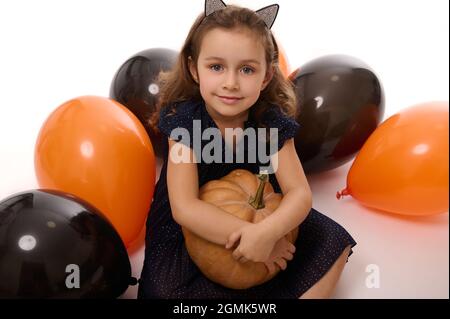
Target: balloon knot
[(342, 193)]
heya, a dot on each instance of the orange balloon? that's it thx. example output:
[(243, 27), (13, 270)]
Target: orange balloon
[(403, 166), (96, 149)]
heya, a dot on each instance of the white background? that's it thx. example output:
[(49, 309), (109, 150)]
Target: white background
[(52, 51)]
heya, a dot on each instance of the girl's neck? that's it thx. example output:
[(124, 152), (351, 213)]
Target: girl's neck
[(229, 122)]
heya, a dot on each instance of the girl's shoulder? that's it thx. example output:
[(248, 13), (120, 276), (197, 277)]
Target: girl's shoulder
[(178, 119), (286, 126), (179, 115), (180, 110), (275, 117)]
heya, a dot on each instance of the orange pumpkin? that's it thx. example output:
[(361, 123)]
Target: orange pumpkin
[(249, 197)]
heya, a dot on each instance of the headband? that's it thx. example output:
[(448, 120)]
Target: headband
[(267, 14)]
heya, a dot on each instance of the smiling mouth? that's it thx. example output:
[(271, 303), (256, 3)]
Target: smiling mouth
[(229, 100), (230, 97)]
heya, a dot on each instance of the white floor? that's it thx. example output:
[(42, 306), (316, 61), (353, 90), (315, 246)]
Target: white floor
[(396, 257)]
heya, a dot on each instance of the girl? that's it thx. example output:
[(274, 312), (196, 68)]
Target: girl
[(227, 76)]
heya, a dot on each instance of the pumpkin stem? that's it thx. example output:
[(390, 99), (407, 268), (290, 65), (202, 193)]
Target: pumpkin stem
[(257, 201)]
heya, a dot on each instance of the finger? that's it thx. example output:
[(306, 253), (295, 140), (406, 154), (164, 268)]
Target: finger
[(288, 256), (270, 267), (232, 239), (237, 254), (282, 263), (292, 248), (243, 259)]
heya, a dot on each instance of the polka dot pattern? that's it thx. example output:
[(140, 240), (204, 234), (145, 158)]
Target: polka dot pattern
[(168, 271)]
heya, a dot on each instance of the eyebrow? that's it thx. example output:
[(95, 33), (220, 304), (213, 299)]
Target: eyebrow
[(243, 61)]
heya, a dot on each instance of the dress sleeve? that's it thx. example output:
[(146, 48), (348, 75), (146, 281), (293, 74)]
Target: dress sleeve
[(177, 126), (287, 126)]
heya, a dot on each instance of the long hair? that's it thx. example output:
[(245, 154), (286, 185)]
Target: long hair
[(178, 85)]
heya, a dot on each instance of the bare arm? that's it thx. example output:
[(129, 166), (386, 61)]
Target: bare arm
[(297, 197), (204, 219)]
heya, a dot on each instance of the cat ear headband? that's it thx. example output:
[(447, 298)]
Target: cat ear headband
[(267, 14)]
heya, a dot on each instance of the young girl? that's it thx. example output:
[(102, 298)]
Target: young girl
[(227, 76)]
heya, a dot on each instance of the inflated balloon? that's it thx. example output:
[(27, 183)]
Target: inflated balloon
[(135, 86), (403, 166), (54, 245), (340, 102), (96, 149)]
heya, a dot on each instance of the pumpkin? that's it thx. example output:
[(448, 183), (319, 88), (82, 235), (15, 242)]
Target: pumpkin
[(247, 196)]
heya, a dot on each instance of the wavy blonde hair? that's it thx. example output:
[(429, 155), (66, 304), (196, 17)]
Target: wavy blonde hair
[(178, 85)]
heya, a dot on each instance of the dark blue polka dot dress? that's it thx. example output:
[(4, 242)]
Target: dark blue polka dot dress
[(168, 271)]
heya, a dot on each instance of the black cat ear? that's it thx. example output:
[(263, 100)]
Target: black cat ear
[(269, 14), (212, 6)]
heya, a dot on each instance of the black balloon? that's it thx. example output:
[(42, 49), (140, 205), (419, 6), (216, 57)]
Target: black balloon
[(54, 245), (340, 102), (135, 87)]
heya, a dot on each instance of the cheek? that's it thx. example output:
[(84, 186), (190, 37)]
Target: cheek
[(252, 86), (208, 82), (205, 85)]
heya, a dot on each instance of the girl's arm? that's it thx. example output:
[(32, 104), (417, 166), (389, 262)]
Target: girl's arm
[(297, 197), (258, 240), (204, 219)]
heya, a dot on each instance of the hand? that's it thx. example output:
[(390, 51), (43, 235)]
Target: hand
[(282, 251), (256, 243)]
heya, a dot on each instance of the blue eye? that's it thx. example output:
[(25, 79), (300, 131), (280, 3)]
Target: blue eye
[(247, 70), (216, 67)]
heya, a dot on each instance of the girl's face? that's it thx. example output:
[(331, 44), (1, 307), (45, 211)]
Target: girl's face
[(231, 71)]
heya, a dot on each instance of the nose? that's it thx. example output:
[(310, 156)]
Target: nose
[(231, 81)]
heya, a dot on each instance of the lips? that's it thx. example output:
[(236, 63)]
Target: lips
[(229, 99)]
